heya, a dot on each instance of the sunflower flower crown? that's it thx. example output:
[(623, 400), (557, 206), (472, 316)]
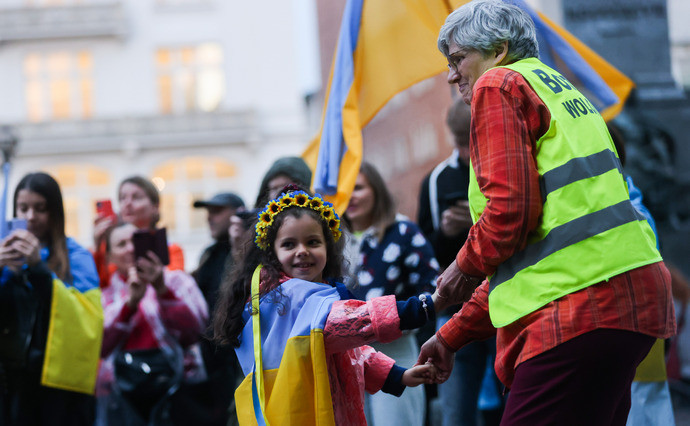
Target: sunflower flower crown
[(295, 199)]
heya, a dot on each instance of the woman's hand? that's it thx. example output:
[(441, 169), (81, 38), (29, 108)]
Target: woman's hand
[(419, 374), (100, 225), (27, 246), (135, 287), (150, 270), (435, 352), (440, 302), (8, 255), (454, 286)]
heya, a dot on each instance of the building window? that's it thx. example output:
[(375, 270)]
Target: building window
[(190, 78), (59, 85), (183, 181), (81, 186)]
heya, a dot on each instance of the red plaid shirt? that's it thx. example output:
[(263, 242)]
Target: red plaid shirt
[(507, 119)]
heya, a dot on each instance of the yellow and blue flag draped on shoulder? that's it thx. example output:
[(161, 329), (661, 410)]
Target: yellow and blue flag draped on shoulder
[(283, 356), (75, 327), (386, 46)]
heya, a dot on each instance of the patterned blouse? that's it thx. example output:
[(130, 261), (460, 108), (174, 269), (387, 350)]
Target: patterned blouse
[(402, 263)]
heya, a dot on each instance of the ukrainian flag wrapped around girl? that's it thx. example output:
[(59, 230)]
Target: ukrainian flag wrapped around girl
[(300, 339)]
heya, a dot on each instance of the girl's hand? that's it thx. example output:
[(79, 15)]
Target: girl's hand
[(150, 270), (27, 246), (135, 288), (419, 374)]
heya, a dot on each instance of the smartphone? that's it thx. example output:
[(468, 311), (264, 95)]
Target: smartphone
[(451, 199), (12, 224), (104, 208), (16, 223), (156, 241)]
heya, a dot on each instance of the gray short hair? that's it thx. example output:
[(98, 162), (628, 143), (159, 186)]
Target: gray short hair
[(483, 25)]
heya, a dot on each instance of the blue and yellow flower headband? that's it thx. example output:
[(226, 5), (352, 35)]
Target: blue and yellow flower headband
[(295, 199)]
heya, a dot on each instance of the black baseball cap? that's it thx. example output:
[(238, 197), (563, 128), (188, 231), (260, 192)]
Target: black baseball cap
[(224, 199)]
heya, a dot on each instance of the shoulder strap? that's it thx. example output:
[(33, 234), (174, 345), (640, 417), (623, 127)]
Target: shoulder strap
[(258, 385)]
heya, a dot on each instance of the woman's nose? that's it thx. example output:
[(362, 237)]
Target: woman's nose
[(452, 75)]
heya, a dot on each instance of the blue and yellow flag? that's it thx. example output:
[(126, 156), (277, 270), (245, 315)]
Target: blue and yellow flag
[(386, 46), (75, 328), (283, 357)]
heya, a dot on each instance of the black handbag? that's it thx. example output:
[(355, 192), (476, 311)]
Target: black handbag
[(145, 374)]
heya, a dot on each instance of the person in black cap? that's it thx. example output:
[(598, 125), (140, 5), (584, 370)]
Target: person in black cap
[(211, 403)]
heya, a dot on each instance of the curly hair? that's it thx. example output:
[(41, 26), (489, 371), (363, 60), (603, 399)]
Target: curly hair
[(236, 288)]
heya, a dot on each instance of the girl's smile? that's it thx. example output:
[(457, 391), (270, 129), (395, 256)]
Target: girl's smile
[(301, 248)]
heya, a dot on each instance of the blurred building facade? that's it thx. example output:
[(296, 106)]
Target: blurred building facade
[(198, 95)]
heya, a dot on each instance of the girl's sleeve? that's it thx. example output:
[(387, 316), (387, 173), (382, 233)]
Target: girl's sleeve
[(352, 323), (183, 308), (377, 367)]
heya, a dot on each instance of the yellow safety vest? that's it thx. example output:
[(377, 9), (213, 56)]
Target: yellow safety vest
[(589, 230)]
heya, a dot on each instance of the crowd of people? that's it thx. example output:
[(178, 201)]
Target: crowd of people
[(532, 256)]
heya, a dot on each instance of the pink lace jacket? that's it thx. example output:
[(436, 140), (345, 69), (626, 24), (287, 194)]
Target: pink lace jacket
[(353, 366)]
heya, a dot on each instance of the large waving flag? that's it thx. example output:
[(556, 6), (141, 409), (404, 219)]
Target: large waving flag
[(386, 46)]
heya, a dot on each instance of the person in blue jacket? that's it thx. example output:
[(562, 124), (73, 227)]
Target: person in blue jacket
[(51, 313)]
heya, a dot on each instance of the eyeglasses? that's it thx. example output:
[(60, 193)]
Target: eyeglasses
[(455, 60)]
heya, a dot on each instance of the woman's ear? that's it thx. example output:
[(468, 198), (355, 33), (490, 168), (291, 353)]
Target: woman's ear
[(501, 53)]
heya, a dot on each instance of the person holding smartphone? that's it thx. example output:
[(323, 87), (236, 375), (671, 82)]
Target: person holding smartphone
[(152, 315), (139, 201), (50, 313)]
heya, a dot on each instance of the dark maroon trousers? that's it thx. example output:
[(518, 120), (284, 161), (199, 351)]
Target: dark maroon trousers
[(584, 381)]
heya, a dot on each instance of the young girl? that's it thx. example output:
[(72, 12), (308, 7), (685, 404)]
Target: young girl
[(300, 339), (49, 291)]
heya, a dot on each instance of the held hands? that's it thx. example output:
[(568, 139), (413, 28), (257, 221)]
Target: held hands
[(419, 374), (456, 219), (434, 352)]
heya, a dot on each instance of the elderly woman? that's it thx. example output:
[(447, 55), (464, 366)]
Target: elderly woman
[(576, 291)]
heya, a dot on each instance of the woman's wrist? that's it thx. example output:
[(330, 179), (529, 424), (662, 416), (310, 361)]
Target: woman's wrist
[(440, 302)]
